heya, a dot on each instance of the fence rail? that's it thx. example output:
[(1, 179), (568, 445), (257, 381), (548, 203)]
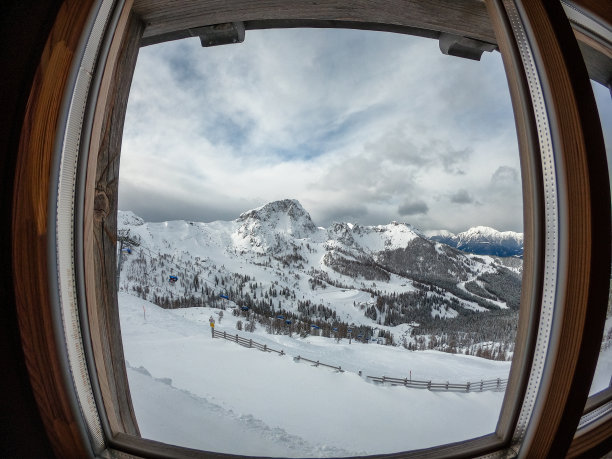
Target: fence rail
[(236, 338), (477, 386), (317, 363)]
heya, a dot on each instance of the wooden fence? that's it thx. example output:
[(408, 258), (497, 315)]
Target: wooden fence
[(478, 386), (317, 363), (236, 338)]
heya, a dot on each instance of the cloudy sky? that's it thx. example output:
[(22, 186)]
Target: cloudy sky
[(365, 127)]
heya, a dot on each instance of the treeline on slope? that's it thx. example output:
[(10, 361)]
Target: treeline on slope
[(475, 288), (504, 284), (263, 309), (490, 335), (421, 259), (264, 305), (304, 326), (360, 266), (421, 262), (398, 308)]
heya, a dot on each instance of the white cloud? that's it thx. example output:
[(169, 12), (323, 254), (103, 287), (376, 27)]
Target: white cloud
[(366, 126)]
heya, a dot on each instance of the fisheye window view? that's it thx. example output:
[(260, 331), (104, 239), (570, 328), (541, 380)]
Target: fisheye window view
[(320, 232), (307, 229), (319, 243)]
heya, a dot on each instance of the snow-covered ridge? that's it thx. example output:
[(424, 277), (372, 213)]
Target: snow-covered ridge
[(274, 259), (274, 227), (479, 233), (482, 240), (373, 239)]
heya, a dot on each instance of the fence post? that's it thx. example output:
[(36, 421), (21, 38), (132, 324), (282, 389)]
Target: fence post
[(428, 385), (405, 381), (446, 385), (250, 343), (383, 378), (481, 383), (265, 348), (236, 338), (467, 387), (224, 335), (282, 352), (498, 383)]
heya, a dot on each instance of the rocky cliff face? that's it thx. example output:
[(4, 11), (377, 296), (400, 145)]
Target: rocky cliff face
[(274, 226)]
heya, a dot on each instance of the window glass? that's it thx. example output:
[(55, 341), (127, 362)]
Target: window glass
[(603, 373), (320, 243)]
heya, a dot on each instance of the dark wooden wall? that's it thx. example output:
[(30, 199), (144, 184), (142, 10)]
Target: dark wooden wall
[(24, 28)]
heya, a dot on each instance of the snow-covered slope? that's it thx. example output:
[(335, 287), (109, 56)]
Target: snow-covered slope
[(212, 394)]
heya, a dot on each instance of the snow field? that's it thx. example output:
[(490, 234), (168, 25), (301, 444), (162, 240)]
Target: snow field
[(191, 390)]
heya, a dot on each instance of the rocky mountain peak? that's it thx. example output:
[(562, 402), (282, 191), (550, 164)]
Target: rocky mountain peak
[(127, 218), (286, 215), (266, 226)]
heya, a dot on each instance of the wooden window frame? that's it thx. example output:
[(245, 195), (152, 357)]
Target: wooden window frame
[(64, 244)]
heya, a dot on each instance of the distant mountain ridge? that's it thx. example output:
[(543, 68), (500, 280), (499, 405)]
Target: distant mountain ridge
[(483, 240), (388, 279)]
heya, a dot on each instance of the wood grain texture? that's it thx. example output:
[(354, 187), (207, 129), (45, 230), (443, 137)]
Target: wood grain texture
[(100, 223), (24, 28), (533, 221), (154, 449), (29, 228), (462, 17), (594, 440), (589, 19), (584, 207), (601, 10), (597, 58), (170, 19)]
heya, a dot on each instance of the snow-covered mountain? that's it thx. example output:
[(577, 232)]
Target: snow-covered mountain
[(273, 227), (386, 280), (482, 240)]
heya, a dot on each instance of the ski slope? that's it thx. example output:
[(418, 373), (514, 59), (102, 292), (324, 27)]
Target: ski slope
[(191, 390)]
